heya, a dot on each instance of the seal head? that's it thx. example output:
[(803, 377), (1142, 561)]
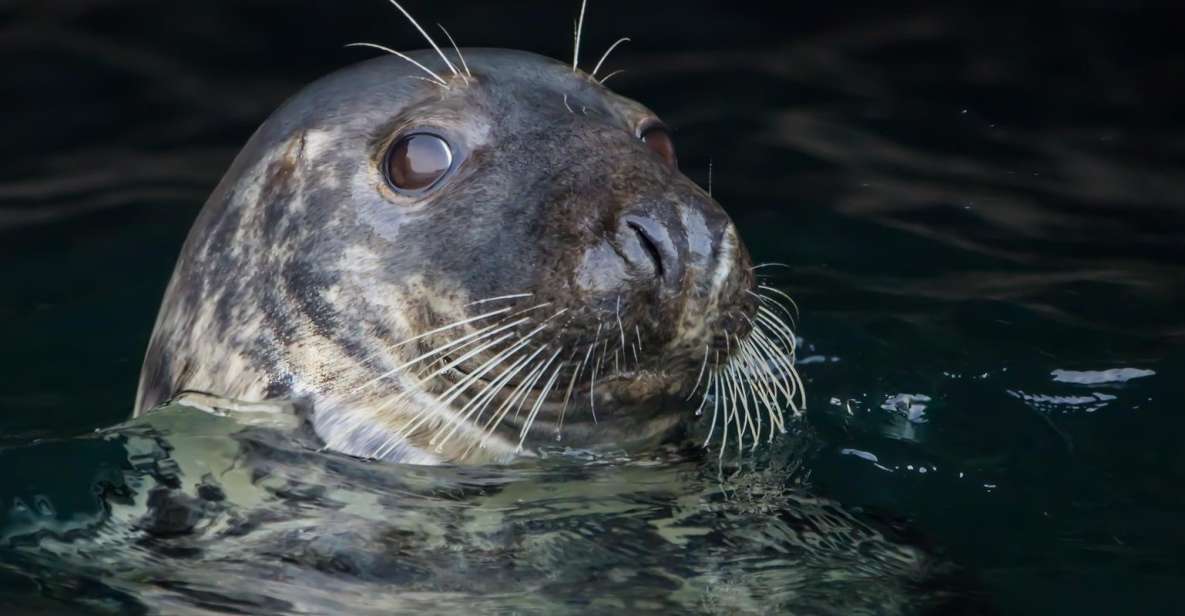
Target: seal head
[(460, 270)]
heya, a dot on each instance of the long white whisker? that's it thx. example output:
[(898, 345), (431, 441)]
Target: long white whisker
[(463, 340), (579, 31), (757, 373), (702, 367), (452, 326), (778, 327), (426, 37), (461, 56), (424, 414), (540, 399), (724, 424), (765, 299), (496, 417), (766, 348), (451, 393), (611, 75), (620, 327), (500, 298), (743, 393), (479, 402), (605, 56), (571, 387), (783, 294), (418, 385), (461, 387), (734, 393), (714, 389), (436, 78)]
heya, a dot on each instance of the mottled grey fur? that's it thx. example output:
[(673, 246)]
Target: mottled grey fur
[(305, 270)]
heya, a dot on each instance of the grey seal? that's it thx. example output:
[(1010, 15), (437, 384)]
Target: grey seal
[(457, 259)]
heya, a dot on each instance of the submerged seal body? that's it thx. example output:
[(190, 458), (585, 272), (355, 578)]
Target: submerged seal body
[(460, 268)]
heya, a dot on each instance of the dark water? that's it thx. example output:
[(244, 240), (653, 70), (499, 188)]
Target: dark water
[(982, 217)]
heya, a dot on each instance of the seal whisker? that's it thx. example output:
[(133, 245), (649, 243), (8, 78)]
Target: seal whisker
[(709, 177), (534, 379), (489, 332), (479, 402), (467, 339), (793, 380), (788, 367), (492, 423), (540, 399), (452, 392), (743, 394), (592, 390), (769, 351), (426, 37), (617, 312), (724, 402), (754, 374), (436, 78), (579, 31), (736, 393), (781, 293), (762, 344), (452, 325), (426, 80), (699, 378), (517, 395), (610, 75), (761, 379), (568, 393), (492, 362), (768, 264), (605, 56), (500, 298), (713, 388), (777, 326), (571, 386), (460, 56), (425, 413), (765, 299), (374, 356)]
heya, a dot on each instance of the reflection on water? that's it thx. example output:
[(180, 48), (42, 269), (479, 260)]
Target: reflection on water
[(981, 216), (208, 512)]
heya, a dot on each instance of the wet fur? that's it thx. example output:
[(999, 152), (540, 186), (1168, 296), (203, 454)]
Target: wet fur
[(304, 271)]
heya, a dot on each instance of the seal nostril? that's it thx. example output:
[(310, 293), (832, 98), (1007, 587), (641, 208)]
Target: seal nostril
[(651, 248)]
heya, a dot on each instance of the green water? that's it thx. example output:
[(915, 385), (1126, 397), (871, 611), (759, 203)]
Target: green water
[(989, 255)]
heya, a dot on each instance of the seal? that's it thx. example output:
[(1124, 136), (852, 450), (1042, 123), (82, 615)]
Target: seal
[(460, 259)]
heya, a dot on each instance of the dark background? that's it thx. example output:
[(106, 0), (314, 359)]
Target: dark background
[(969, 195), (1043, 143)]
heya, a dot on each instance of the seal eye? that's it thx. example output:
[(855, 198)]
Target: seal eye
[(418, 161), (659, 140)]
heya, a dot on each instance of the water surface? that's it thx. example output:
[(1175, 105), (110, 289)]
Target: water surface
[(980, 215)]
